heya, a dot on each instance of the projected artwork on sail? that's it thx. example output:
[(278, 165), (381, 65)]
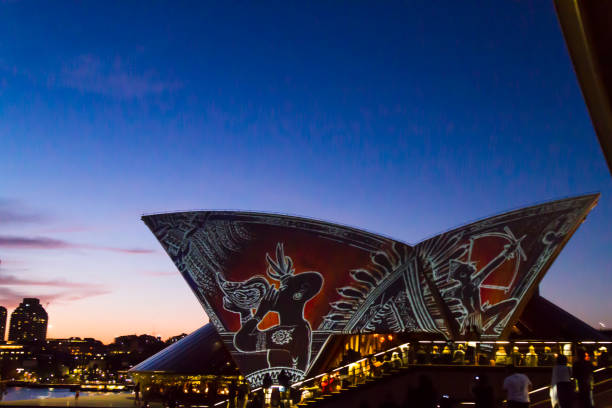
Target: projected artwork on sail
[(277, 287)]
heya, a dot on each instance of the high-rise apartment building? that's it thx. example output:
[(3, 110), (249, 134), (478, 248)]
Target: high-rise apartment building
[(2, 322), (28, 322)]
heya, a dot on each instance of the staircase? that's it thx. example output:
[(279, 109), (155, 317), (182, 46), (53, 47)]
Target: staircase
[(341, 392), (452, 380)]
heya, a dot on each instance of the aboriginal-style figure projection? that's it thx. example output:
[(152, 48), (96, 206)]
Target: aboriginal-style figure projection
[(284, 341), (277, 287), (467, 281)]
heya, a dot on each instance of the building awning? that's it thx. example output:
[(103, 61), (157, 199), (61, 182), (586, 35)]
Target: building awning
[(200, 353)]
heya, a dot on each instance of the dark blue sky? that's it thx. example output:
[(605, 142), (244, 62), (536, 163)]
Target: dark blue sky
[(403, 118)]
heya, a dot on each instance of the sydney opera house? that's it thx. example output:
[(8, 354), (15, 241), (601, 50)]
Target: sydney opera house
[(293, 294)]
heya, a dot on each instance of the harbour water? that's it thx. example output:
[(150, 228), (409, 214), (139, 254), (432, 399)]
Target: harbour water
[(25, 393)]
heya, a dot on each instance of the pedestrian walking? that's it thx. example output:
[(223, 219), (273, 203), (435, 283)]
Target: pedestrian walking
[(583, 373), (517, 386), (561, 383)]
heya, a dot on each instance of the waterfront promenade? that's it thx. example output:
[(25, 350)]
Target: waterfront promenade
[(105, 400)]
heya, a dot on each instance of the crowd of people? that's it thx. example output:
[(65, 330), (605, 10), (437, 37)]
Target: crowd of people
[(569, 384), (571, 379)]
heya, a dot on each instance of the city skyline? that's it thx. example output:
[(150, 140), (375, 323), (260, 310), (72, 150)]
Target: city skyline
[(8, 318), (402, 120)]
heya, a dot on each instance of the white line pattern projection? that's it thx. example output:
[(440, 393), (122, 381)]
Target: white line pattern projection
[(276, 287)]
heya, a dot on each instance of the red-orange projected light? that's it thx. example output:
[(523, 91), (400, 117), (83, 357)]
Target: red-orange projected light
[(277, 287)]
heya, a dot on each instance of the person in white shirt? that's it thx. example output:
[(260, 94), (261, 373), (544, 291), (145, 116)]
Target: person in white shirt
[(517, 386), (561, 382)]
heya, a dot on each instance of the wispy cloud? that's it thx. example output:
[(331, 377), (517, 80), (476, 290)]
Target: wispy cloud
[(12, 212), (17, 242), (10, 298), (32, 243), (12, 289), (10, 280), (15, 212), (66, 229), (125, 250), (71, 296), (117, 78)]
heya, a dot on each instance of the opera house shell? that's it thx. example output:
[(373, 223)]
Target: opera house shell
[(277, 288)]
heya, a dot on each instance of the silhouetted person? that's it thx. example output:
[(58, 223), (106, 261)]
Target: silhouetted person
[(386, 365), (470, 353), (517, 386), (459, 355), (446, 355), (531, 358), (501, 357), (483, 393), (547, 358), (424, 395), (136, 393), (325, 384), (243, 391), (562, 379), (396, 360), (232, 393), (374, 366), (603, 359), (583, 373), (434, 355), (267, 381), (516, 358), (283, 379)]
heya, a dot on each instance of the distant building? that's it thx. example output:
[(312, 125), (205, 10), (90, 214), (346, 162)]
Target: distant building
[(2, 322), (176, 338), (29, 322)]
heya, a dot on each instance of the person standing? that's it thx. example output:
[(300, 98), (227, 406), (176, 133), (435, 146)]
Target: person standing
[(243, 392), (459, 355), (266, 383), (583, 372), (517, 385), (136, 393), (285, 382), (547, 358), (232, 394), (602, 359), (531, 358), (561, 380)]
